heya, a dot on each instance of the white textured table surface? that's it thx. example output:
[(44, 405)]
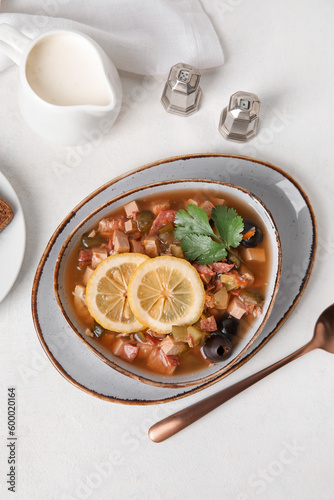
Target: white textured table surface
[(276, 440)]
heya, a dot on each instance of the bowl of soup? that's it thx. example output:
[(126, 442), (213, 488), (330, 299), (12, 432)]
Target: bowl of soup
[(171, 283)]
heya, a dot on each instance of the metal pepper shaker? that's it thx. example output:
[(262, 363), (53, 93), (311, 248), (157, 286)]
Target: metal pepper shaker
[(182, 92), (239, 120)]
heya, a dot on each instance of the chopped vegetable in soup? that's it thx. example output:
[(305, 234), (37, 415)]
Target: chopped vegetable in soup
[(171, 284)]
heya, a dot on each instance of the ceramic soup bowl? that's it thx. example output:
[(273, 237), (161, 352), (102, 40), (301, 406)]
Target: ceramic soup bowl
[(243, 198)]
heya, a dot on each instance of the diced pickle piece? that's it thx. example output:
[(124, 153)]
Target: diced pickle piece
[(230, 281), (196, 334), (166, 229), (89, 242), (145, 220), (167, 238), (221, 298), (252, 297), (180, 333), (140, 336), (172, 348), (177, 251)]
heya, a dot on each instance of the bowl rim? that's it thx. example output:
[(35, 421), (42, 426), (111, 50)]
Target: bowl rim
[(141, 378)]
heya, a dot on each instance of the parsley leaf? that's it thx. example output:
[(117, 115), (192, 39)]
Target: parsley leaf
[(203, 249), (193, 220), (229, 224), (198, 239)]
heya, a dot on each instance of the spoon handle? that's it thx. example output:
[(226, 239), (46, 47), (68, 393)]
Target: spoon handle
[(178, 421)]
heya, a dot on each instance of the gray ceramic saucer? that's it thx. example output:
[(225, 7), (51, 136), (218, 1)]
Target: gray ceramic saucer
[(296, 224)]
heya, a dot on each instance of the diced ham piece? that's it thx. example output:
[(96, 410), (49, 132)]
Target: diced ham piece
[(249, 276), (118, 346), (85, 257), (99, 254), (218, 201), (131, 208), (161, 363), (204, 269), (108, 226), (207, 206), (173, 361), (209, 324), (254, 254), (206, 278), (121, 242), (130, 352), (152, 246), (218, 284), (152, 340), (89, 270), (221, 267), (124, 349), (110, 246), (136, 246), (130, 226), (209, 301), (170, 347), (144, 351), (158, 207), (257, 311), (81, 306), (236, 308), (191, 202), (165, 217)]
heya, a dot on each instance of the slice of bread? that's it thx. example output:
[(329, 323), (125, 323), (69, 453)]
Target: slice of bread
[(6, 214)]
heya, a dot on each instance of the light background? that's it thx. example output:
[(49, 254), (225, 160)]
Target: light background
[(276, 440)]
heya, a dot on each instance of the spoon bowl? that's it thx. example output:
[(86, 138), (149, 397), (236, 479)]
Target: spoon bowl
[(324, 330)]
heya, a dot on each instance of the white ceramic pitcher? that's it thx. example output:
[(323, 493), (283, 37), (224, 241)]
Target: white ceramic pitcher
[(63, 122)]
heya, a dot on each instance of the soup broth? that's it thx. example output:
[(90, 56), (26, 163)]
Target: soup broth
[(249, 265)]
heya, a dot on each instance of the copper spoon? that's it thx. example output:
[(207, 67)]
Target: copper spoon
[(323, 338)]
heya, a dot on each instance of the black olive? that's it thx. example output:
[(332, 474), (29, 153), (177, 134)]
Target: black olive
[(98, 330), (217, 347), (229, 326), (257, 236)]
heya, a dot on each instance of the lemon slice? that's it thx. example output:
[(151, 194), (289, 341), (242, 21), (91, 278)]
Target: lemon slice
[(106, 292), (166, 291)]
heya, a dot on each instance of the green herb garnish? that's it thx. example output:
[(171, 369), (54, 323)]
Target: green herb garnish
[(198, 239)]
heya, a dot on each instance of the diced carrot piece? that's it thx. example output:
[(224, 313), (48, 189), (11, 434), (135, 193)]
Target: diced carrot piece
[(249, 234)]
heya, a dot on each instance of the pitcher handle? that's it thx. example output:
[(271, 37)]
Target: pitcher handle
[(12, 42)]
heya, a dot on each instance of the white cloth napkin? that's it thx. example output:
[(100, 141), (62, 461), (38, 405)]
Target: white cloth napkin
[(139, 36)]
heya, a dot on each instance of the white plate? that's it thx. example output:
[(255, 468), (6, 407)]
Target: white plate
[(296, 224), (12, 240)]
